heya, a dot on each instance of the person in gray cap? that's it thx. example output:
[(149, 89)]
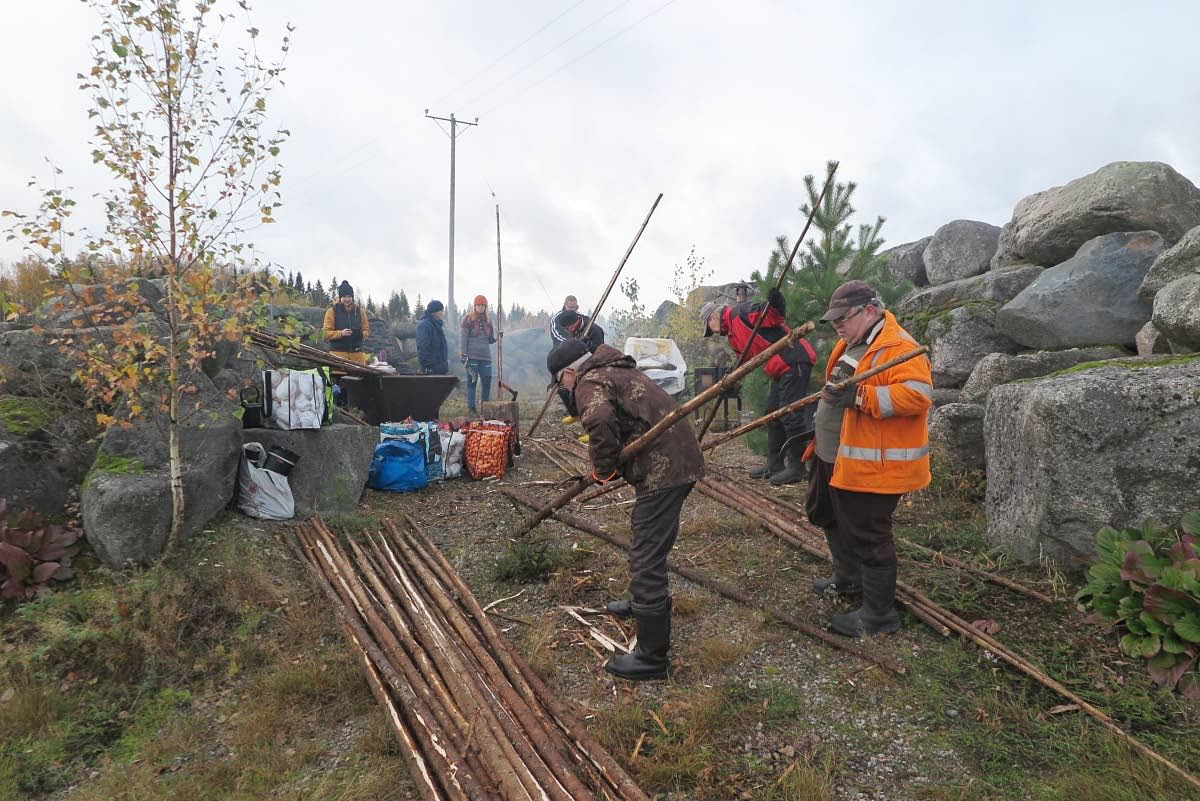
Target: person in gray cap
[(788, 370), (871, 446)]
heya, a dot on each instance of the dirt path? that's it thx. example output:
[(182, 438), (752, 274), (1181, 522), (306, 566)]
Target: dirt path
[(757, 710)]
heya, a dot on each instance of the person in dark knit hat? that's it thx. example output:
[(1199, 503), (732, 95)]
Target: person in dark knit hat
[(433, 353), (346, 326), (616, 403)]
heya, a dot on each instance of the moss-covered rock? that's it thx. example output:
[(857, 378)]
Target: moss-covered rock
[(24, 416)]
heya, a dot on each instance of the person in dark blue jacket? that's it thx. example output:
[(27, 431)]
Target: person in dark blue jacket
[(432, 351)]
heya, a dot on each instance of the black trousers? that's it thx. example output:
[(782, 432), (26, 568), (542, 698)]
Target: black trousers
[(789, 388), (862, 520), (655, 526)]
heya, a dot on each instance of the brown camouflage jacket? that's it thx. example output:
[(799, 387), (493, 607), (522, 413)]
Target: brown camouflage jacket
[(617, 403)]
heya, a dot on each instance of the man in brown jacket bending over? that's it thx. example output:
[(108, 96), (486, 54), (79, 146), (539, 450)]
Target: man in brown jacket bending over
[(617, 403)]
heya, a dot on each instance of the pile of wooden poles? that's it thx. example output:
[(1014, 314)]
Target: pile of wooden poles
[(314, 355), (474, 720)]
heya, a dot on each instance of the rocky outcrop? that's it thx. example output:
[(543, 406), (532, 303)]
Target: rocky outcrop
[(126, 498), (1070, 453), (956, 436), (1183, 258), (99, 305), (1150, 341), (1177, 313), (961, 337), (1003, 368), (999, 286), (31, 365), (331, 472), (960, 249), (1090, 299), (907, 262), (1048, 227), (46, 445)]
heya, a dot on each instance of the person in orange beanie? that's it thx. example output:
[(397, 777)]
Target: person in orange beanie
[(476, 338)]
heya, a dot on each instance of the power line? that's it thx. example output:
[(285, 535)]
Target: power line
[(505, 80), (580, 57), (505, 55)]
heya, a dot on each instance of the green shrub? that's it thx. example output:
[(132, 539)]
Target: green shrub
[(528, 561), (1147, 581)]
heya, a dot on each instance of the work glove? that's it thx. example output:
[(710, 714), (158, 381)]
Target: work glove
[(843, 397), (775, 301)]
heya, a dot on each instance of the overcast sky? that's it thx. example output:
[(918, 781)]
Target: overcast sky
[(588, 108)]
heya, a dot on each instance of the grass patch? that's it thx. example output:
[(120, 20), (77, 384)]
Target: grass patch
[(221, 677), (809, 778)]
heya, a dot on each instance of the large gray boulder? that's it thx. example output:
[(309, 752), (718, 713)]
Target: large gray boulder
[(960, 249), (999, 286), (101, 305), (1070, 453), (907, 262), (46, 445), (126, 498), (1004, 368), (1151, 341), (127, 510), (961, 337), (331, 472), (31, 365), (1090, 299), (956, 436), (1177, 313), (1181, 259), (1049, 226)]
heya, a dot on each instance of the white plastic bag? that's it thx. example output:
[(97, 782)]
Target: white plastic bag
[(660, 360), (294, 399), (263, 493), (453, 445)]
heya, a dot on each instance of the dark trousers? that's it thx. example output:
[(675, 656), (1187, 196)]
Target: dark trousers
[(655, 525), (789, 388), (478, 371), (862, 520)]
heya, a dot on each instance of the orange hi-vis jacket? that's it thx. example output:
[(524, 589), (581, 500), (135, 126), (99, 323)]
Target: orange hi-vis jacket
[(884, 444)]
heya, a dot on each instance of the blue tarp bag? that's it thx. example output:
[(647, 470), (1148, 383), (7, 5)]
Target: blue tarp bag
[(398, 466)]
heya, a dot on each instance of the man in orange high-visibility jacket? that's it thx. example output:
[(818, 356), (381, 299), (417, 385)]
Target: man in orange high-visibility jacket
[(870, 447)]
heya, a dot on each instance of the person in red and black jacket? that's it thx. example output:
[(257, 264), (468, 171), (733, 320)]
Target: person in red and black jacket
[(788, 370)]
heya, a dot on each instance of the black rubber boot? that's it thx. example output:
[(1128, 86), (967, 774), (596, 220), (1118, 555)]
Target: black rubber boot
[(775, 440), (648, 661), (795, 467), (847, 570), (619, 608), (878, 614)]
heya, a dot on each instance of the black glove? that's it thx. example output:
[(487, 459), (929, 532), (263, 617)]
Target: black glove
[(843, 397), (775, 301)]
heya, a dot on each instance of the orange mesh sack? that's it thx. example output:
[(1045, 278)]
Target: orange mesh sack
[(488, 445)]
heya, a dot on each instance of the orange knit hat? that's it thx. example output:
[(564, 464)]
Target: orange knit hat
[(480, 300)]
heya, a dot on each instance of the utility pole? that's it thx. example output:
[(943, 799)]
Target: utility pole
[(453, 133)]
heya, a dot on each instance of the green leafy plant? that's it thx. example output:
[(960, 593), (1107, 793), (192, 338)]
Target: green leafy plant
[(1147, 581), (33, 553)]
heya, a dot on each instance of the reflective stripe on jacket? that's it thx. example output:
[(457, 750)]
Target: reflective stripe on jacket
[(885, 438)]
